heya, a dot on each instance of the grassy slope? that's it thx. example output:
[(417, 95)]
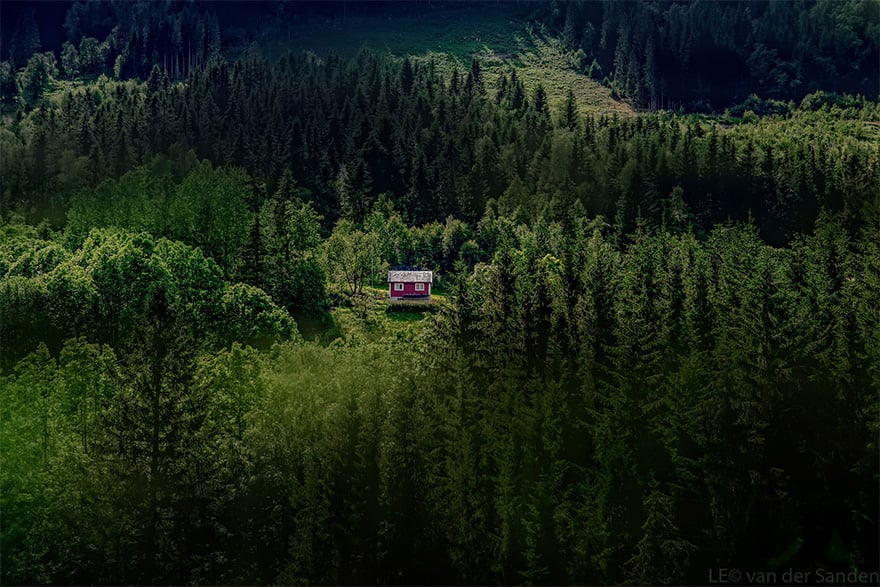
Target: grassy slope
[(499, 35), (377, 323)]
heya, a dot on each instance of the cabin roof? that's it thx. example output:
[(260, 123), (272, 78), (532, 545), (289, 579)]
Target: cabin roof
[(410, 277)]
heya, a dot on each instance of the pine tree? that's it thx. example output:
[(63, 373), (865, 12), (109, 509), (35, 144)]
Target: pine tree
[(569, 118)]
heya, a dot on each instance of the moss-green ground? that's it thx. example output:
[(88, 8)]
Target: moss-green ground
[(376, 321)]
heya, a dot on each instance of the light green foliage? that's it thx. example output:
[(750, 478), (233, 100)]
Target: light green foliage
[(304, 225), (24, 253), (141, 199), (251, 315), (51, 429), (395, 241), (352, 255), (235, 379), (210, 210), (106, 287), (113, 467), (455, 234), (427, 245), (285, 261), (325, 426), (23, 312), (29, 448), (70, 61), (134, 201), (92, 56), (88, 376), (42, 259), (35, 79)]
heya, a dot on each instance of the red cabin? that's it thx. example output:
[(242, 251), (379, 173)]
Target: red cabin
[(406, 285)]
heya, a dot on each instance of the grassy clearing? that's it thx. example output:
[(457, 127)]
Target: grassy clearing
[(542, 60), (103, 85), (499, 35), (376, 320)]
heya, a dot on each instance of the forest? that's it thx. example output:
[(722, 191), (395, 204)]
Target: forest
[(652, 351)]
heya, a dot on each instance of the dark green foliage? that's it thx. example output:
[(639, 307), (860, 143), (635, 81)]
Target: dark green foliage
[(25, 39), (659, 353), (579, 413), (693, 396), (129, 39), (704, 55), (433, 152)]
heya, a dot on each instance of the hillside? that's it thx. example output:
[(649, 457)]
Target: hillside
[(502, 36), (651, 350)]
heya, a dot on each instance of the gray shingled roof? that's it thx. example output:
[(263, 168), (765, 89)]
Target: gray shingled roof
[(410, 276)]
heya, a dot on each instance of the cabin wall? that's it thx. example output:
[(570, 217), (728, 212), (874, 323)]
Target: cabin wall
[(409, 288)]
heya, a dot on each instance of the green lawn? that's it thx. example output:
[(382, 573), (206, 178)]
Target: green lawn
[(377, 321)]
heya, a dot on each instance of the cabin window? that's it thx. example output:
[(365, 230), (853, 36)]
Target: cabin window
[(398, 287), (420, 287)]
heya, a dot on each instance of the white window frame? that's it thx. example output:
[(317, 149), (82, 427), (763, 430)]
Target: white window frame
[(420, 287), (398, 287)]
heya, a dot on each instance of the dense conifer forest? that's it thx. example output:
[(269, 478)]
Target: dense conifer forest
[(652, 355)]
